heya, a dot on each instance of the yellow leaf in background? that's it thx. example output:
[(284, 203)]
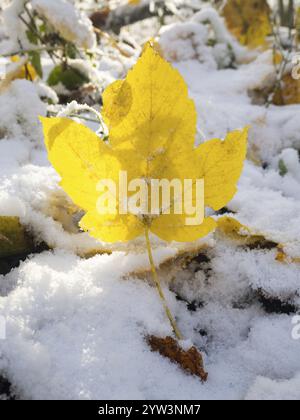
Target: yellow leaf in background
[(152, 126), (234, 230), (13, 238), (298, 24), (283, 258), (248, 20), (288, 93), (243, 235), (17, 71), (232, 227), (26, 71), (134, 2)]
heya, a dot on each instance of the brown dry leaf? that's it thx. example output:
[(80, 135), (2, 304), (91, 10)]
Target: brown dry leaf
[(288, 93), (248, 20), (191, 360), (99, 18)]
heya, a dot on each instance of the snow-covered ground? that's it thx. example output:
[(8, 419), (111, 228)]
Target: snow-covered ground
[(76, 326)]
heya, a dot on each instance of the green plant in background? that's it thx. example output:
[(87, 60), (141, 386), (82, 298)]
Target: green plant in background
[(45, 31)]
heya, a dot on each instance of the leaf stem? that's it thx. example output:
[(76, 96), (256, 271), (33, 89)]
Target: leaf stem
[(32, 50), (159, 289)]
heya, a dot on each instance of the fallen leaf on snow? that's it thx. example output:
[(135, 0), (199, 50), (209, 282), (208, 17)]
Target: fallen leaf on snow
[(189, 360)]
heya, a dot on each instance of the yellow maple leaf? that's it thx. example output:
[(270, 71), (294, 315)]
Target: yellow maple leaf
[(248, 20), (152, 126)]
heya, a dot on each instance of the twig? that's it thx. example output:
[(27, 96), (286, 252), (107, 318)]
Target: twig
[(280, 71), (111, 39), (127, 15), (159, 289), (75, 113), (52, 54), (28, 51)]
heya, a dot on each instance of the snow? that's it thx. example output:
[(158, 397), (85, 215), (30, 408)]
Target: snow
[(72, 24), (14, 27), (188, 41), (83, 308), (76, 324), (18, 120), (265, 389)]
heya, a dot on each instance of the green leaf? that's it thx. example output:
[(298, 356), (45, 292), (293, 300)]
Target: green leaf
[(71, 78), (70, 50), (32, 37), (35, 59), (13, 238), (283, 170), (42, 28)]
